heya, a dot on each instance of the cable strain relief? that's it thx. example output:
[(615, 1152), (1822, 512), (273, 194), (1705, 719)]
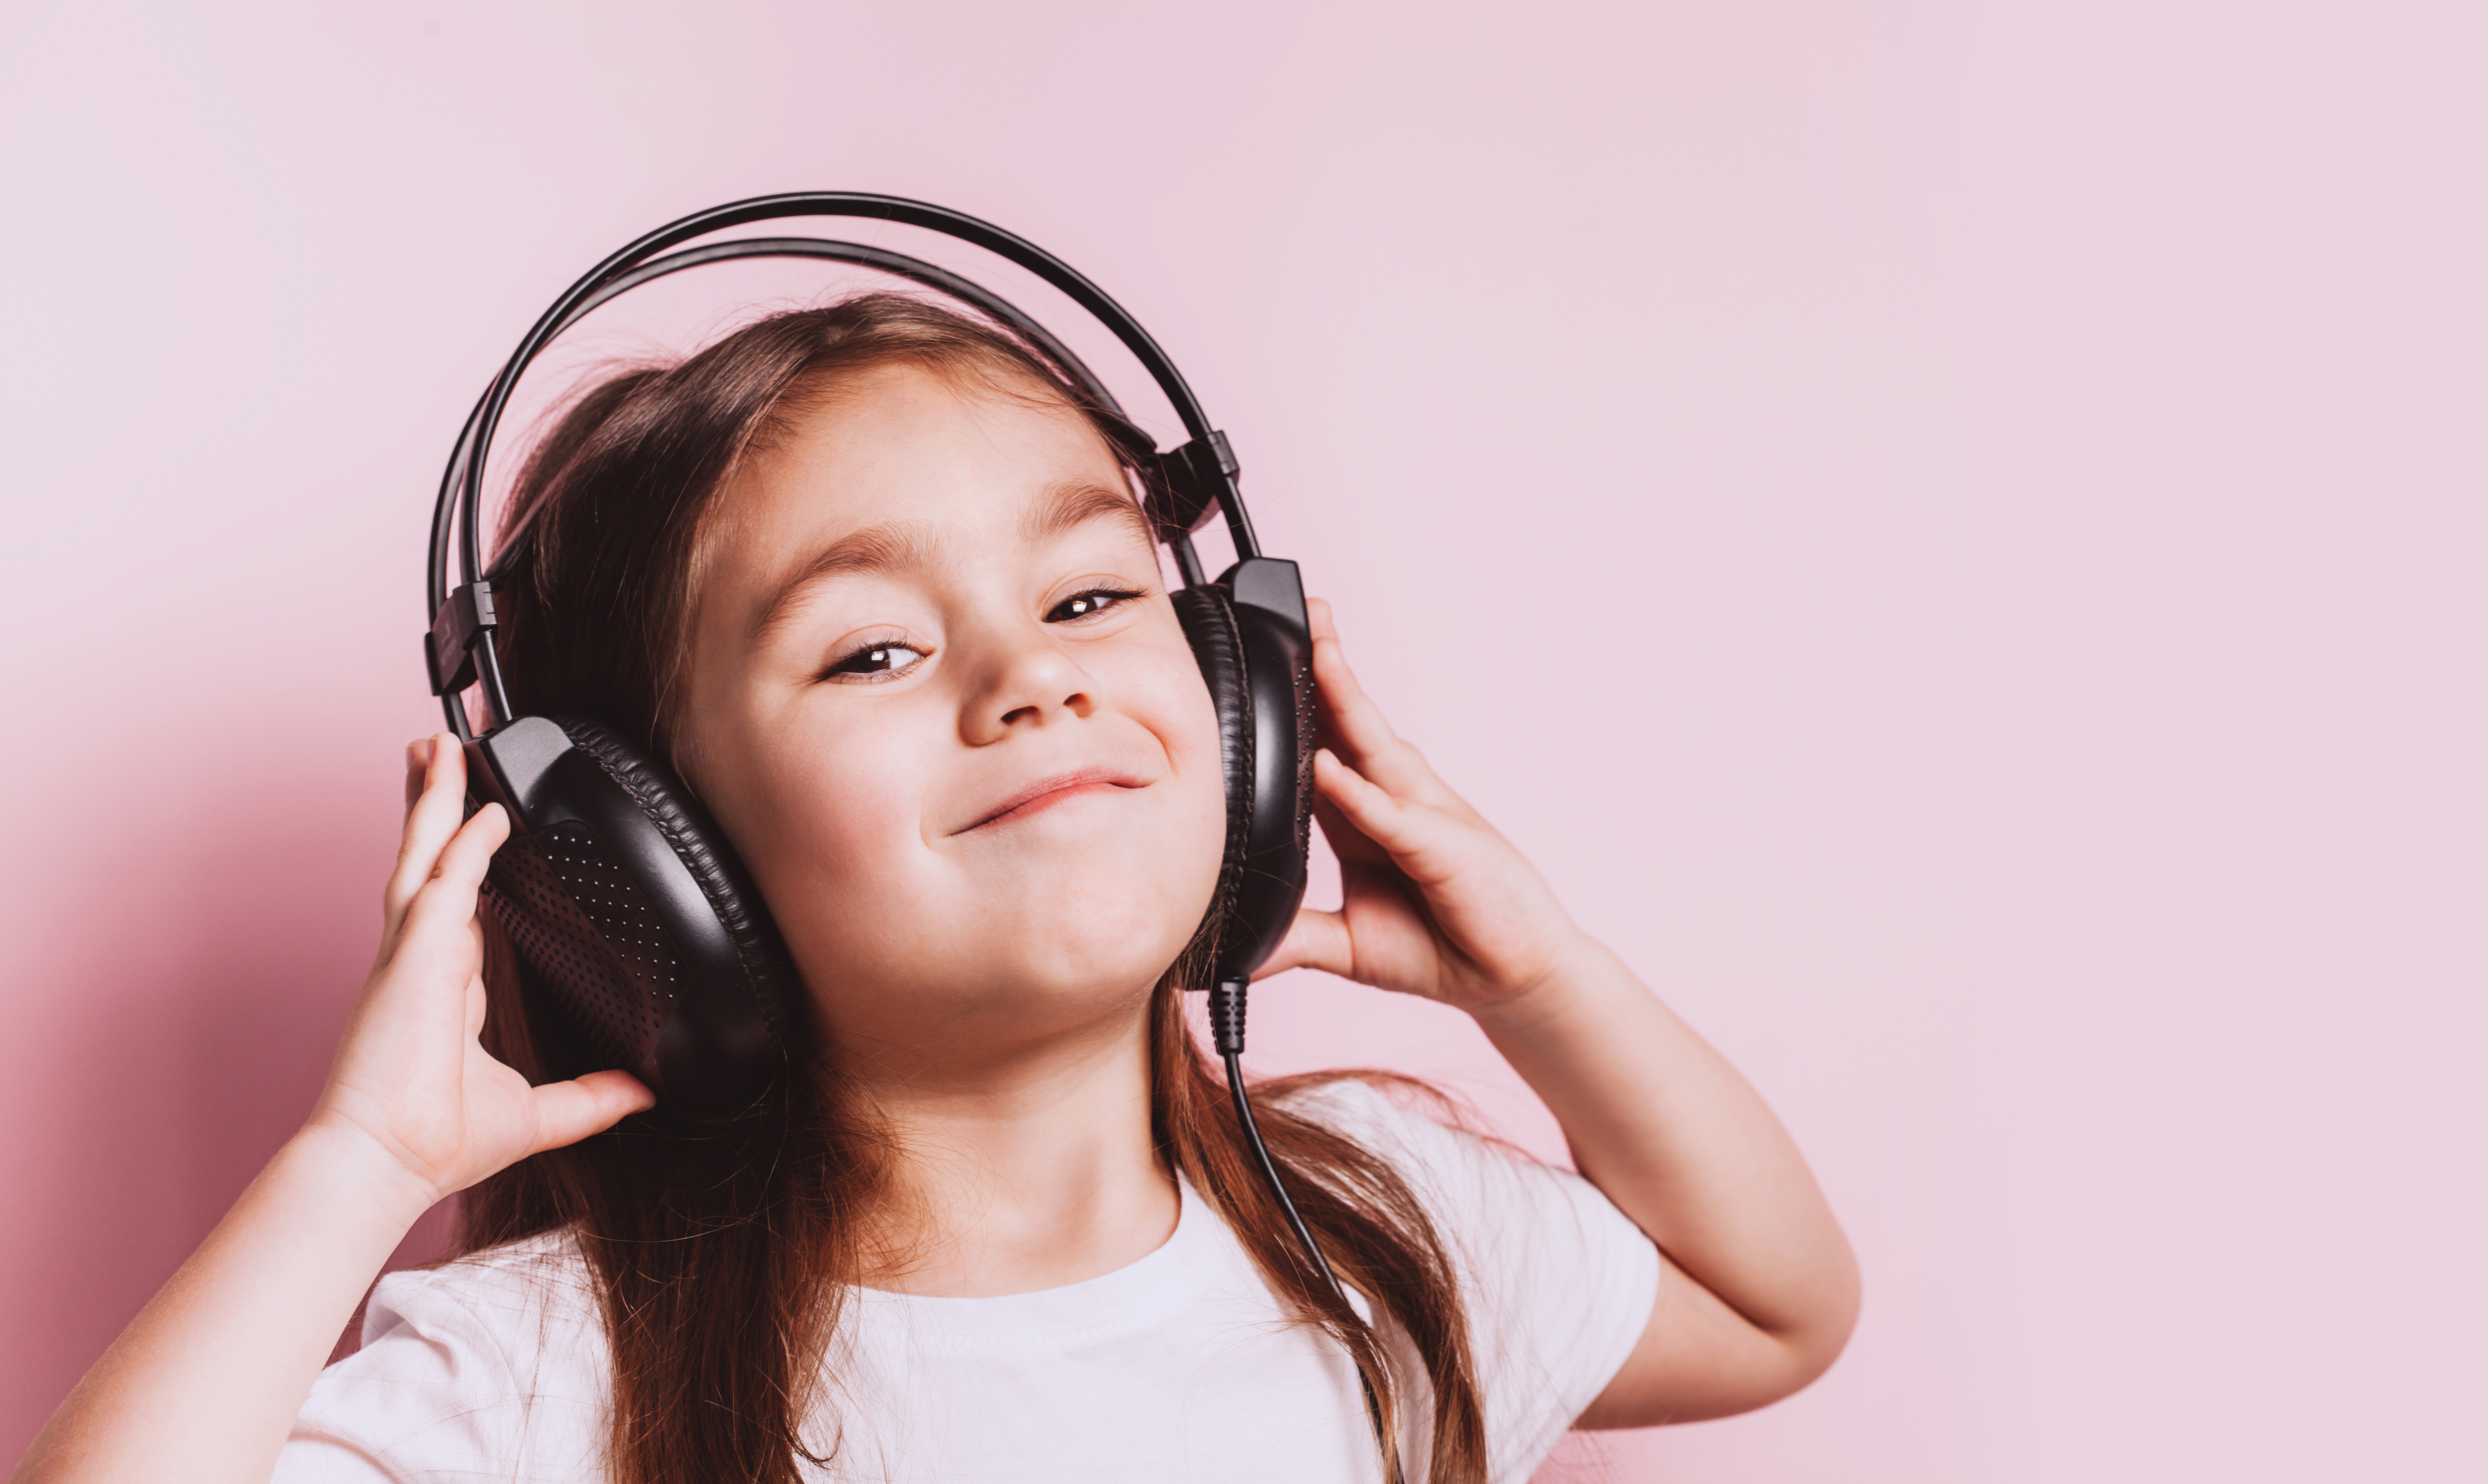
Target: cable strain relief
[(1227, 1017)]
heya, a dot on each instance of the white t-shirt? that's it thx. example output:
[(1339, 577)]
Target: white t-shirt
[(1182, 1366)]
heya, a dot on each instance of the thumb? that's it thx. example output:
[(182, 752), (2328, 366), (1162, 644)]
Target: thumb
[(567, 1112), (1315, 940)]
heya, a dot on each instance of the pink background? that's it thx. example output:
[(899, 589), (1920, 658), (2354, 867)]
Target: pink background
[(1952, 532)]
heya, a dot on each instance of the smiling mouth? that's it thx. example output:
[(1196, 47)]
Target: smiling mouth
[(1047, 793)]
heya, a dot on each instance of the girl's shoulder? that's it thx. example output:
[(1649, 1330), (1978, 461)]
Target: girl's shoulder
[(1434, 1142), (501, 1293), (1489, 1198), (1555, 1283), (496, 1355)]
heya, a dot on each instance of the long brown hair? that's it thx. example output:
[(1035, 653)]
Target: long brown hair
[(721, 1259)]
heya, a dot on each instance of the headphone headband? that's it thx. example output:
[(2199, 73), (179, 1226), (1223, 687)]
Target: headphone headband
[(1194, 476)]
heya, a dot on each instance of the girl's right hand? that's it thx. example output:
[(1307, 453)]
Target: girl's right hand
[(411, 1079), (207, 1381)]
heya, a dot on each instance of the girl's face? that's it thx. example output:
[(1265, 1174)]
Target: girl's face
[(940, 700)]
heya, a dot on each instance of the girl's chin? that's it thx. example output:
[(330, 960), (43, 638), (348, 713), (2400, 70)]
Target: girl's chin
[(1094, 906), (1005, 1016), (999, 942), (1099, 975)]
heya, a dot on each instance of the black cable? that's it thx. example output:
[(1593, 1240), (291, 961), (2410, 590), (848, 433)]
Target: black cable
[(1270, 1173), (1226, 1029)]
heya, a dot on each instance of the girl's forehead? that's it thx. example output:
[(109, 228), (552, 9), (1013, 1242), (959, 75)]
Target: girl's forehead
[(904, 472), (906, 443)]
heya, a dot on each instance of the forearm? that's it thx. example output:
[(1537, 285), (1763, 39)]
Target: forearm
[(1683, 1145), (204, 1383)]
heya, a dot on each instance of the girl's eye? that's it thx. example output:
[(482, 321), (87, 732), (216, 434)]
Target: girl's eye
[(887, 659), (1088, 604)]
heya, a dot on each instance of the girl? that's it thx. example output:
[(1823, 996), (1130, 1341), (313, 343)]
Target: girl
[(874, 580)]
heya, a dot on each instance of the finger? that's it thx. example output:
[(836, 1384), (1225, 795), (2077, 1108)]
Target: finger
[(1412, 833), (1351, 711), (468, 855), (1323, 621), (1315, 940), (418, 764), (1357, 723), (430, 824), (1346, 842), (567, 1112), (445, 905), (404, 876)]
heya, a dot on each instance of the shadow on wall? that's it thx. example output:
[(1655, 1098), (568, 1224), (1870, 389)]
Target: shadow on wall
[(201, 970)]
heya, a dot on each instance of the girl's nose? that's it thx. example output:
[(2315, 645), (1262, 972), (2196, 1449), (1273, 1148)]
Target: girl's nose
[(1029, 682)]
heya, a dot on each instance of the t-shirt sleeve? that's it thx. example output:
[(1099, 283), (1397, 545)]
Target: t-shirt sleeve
[(473, 1372), (1558, 1284)]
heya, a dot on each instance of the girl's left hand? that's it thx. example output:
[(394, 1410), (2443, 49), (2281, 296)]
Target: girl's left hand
[(1434, 902), (1760, 1289)]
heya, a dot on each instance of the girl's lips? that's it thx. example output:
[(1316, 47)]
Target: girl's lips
[(1046, 793)]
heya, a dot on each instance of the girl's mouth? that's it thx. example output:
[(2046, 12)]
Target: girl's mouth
[(1046, 793)]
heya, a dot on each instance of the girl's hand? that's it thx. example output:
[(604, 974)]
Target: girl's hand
[(1435, 902), (206, 1382), (1761, 1290), (411, 1079)]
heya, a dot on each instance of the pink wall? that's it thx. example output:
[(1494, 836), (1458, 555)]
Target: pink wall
[(1951, 531)]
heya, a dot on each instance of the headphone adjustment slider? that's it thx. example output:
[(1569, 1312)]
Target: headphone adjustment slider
[(449, 649), (1194, 475)]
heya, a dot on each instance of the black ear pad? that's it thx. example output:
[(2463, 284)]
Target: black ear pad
[(1256, 659), (623, 897), (1209, 622)]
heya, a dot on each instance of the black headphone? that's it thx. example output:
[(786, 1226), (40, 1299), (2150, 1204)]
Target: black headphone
[(618, 889), (623, 895)]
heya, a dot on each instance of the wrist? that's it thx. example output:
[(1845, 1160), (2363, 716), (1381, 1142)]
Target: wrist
[(349, 1165), (1571, 977)]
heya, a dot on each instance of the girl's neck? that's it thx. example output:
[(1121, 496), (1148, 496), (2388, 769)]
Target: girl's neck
[(1016, 1168)]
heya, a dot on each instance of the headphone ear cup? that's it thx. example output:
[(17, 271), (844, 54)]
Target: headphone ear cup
[(1259, 669), (623, 897), (1208, 621)]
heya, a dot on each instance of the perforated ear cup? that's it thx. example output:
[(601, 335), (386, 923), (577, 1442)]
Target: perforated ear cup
[(1258, 670), (621, 894), (577, 920), (702, 849)]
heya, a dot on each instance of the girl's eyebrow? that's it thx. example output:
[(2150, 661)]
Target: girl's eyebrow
[(1073, 503), (894, 546)]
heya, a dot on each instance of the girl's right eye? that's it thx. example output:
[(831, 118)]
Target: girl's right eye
[(880, 661)]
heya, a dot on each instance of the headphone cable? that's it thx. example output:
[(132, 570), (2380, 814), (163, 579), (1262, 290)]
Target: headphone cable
[(1227, 1024)]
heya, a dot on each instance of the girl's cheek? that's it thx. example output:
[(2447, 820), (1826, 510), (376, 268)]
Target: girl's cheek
[(852, 802), (1176, 706), (1177, 710)]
